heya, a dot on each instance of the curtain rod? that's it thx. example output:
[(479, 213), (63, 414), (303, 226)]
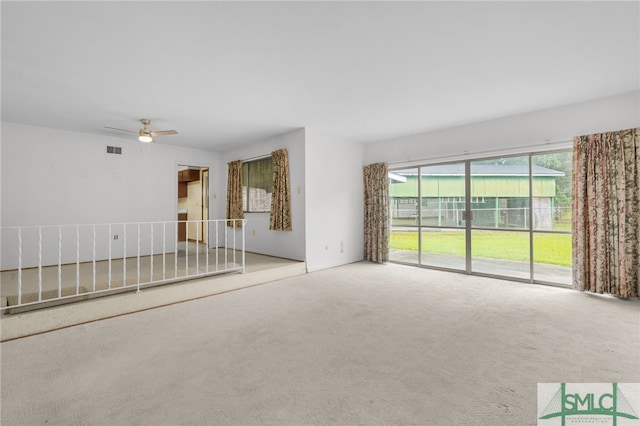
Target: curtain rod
[(515, 150), (257, 157)]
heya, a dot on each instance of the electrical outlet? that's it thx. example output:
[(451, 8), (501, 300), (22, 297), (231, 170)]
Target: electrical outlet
[(341, 246)]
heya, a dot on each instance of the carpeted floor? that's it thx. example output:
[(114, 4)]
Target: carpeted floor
[(359, 344)]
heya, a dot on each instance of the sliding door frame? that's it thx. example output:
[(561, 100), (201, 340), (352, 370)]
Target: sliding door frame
[(469, 225)]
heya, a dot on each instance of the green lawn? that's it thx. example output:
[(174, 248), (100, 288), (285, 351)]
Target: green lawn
[(552, 249)]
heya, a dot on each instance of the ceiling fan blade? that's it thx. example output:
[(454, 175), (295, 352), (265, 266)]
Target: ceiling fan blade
[(163, 132), (122, 130)]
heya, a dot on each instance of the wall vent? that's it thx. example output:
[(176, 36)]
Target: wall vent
[(114, 150)]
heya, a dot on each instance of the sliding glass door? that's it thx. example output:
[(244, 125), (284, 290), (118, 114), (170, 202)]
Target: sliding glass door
[(442, 230), (552, 217), (427, 207), (503, 216), (404, 190), (500, 217)]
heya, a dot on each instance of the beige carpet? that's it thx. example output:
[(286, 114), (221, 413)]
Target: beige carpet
[(360, 344)]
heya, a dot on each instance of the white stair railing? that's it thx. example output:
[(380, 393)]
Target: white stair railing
[(48, 263)]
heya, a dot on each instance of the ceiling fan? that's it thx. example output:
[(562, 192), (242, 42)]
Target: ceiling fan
[(145, 134)]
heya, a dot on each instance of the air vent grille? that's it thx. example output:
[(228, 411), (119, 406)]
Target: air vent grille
[(114, 150)]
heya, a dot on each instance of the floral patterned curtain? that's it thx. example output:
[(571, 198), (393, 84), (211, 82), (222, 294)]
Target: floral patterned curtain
[(280, 219), (234, 193), (376, 212), (606, 213)]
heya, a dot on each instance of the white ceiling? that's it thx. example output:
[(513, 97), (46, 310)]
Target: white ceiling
[(228, 73)]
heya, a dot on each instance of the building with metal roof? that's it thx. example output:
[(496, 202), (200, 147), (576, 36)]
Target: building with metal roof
[(499, 195)]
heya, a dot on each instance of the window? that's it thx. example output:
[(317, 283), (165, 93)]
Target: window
[(257, 185)]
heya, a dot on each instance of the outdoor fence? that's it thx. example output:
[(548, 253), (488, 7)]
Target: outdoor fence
[(498, 218)]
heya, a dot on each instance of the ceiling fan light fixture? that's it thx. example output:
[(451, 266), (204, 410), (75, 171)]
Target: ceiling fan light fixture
[(145, 134)]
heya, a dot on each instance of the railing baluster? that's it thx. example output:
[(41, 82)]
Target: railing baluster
[(124, 255), (77, 259), (244, 223), (217, 240), (151, 255), (197, 247), (235, 232), (59, 261), (175, 256), (19, 266), (207, 243), (186, 266), (39, 263), (226, 243), (164, 251), (94, 258), (138, 256), (110, 244)]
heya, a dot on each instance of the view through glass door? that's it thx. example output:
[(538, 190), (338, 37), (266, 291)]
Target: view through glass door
[(552, 241), (427, 216), (519, 209), (501, 214), (443, 210)]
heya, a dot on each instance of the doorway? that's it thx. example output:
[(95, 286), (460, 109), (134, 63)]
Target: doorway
[(193, 203)]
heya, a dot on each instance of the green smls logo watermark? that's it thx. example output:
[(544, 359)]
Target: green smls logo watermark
[(588, 404)]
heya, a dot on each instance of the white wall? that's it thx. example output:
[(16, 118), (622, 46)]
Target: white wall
[(334, 200), (55, 177), (259, 239), (512, 134)]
